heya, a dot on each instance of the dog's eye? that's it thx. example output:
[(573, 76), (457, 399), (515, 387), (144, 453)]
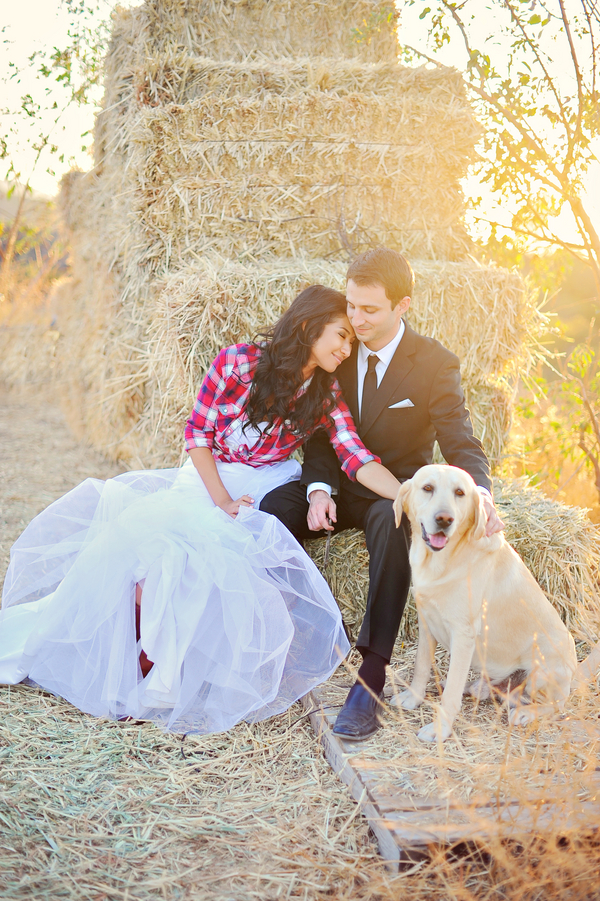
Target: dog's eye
[(459, 492), (428, 488)]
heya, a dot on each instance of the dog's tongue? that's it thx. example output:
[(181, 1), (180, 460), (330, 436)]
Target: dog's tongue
[(438, 540)]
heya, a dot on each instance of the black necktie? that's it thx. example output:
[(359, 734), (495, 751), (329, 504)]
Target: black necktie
[(369, 385)]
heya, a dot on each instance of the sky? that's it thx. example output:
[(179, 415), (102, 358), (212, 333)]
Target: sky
[(29, 25)]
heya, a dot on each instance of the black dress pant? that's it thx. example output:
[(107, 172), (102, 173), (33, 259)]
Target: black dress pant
[(389, 569)]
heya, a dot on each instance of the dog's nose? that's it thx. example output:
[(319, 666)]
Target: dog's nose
[(444, 520)]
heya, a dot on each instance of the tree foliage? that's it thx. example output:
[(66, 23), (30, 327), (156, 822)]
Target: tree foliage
[(64, 77), (531, 68), (532, 71)]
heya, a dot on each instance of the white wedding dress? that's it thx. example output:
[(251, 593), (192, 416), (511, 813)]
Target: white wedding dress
[(236, 618)]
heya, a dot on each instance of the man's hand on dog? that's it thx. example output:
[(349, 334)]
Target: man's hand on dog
[(494, 523), (321, 512)]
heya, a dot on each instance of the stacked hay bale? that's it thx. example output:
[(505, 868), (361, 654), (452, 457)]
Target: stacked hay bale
[(228, 177), (245, 150)]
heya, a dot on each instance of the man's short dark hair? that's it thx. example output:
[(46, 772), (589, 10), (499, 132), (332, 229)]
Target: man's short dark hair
[(382, 266)]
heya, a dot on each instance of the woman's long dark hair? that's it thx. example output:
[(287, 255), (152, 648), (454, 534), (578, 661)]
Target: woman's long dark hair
[(285, 351)]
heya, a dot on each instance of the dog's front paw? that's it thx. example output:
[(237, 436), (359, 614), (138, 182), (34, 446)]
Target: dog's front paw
[(435, 732), (523, 715), (407, 699)]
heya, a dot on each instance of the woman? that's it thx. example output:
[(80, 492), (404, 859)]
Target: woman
[(234, 620)]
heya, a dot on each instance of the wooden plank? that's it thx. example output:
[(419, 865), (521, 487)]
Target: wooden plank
[(510, 821), (337, 752), (406, 825)]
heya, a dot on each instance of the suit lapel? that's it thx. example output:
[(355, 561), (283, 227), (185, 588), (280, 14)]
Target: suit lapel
[(400, 365)]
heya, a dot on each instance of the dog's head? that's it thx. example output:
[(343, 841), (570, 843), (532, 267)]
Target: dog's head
[(441, 502)]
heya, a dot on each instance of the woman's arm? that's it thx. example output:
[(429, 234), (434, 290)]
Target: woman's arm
[(378, 479), (357, 461), (200, 431), (204, 462)]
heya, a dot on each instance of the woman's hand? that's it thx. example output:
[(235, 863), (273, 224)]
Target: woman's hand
[(232, 507), (204, 462)]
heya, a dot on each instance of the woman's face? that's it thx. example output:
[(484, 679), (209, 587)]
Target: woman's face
[(333, 345)]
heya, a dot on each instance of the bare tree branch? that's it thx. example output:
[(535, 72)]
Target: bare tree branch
[(580, 100), (588, 16)]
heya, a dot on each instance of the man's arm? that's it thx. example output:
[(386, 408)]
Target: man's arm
[(453, 427), (454, 431), (320, 462)]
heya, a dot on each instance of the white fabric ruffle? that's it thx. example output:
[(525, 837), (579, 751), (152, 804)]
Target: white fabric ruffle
[(235, 616)]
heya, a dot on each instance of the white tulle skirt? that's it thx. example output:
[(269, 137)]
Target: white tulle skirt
[(236, 618)]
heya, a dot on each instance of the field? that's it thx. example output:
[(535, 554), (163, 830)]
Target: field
[(102, 810), (535, 453)]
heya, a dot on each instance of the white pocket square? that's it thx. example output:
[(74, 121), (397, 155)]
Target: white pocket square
[(401, 403)]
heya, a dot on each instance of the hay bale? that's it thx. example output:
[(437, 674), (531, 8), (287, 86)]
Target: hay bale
[(177, 77), (559, 544), (491, 406), (225, 178), (225, 183), (244, 31), (215, 302), (561, 547), (312, 172), (141, 360), (481, 313)]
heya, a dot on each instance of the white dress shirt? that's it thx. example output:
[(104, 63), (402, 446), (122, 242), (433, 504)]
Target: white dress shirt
[(385, 358)]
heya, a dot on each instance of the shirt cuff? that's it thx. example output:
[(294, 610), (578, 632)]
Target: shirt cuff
[(317, 486), (198, 441), (354, 462)]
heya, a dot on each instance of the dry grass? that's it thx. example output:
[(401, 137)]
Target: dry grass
[(106, 810), (485, 759), (92, 809)]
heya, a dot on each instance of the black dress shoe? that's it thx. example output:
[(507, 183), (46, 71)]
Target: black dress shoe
[(357, 719)]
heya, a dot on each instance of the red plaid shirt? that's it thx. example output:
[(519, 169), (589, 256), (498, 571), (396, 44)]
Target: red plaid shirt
[(218, 415)]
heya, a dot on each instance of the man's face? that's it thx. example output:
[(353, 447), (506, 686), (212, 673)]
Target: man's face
[(371, 315)]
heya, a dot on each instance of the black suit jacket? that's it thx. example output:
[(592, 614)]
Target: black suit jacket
[(426, 373)]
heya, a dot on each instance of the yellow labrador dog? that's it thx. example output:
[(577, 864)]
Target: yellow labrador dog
[(476, 597)]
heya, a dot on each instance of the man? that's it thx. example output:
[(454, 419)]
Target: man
[(404, 392)]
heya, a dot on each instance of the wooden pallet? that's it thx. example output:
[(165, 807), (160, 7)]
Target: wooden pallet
[(406, 825)]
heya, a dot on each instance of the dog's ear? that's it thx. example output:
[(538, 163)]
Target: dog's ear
[(479, 516), (400, 502)]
